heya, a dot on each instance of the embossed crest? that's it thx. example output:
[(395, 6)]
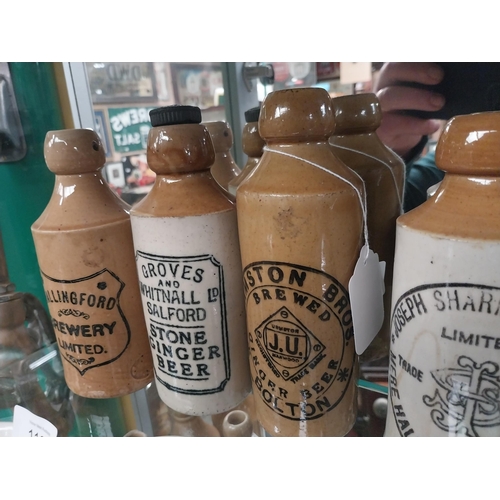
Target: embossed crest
[(90, 326), (300, 336)]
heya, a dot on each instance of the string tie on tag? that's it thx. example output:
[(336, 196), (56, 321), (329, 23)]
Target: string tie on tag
[(398, 192), (361, 197)]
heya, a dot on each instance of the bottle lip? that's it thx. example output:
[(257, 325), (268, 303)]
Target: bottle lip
[(175, 114), (469, 145), (299, 114), (356, 113), (73, 151)]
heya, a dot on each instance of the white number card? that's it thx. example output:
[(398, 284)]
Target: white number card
[(27, 424)]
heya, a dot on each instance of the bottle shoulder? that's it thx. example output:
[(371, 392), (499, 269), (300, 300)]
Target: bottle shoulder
[(300, 169), (463, 207), (182, 196), (78, 202)]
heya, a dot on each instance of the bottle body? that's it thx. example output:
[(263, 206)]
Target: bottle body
[(444, 363), (84, 247), (356, 143), (190, 278), (300, 236), (444, 346), (189, 265)]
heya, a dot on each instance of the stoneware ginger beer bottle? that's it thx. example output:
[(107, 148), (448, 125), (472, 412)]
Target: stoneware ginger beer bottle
[(252, 145), (444, 372), (188, 260), (356, 143), (300, 226), (224, 168), (83, 242)]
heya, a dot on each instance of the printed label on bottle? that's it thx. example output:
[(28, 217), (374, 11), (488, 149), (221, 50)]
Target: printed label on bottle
[(300, 335), (90, 326), (185, 307), (444, 370)]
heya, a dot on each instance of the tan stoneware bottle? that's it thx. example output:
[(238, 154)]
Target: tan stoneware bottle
[(356, 143), (188, 259), (224, 168), (252, 145), (83, 242), (300, 224), (444, 372)]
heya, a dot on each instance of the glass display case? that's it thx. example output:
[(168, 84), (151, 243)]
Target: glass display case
[(114, 98)]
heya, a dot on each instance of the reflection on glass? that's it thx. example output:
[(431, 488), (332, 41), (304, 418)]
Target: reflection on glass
[(123, 93)]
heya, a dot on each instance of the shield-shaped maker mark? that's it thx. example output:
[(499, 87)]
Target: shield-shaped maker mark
[(289, 345), (93, 331)]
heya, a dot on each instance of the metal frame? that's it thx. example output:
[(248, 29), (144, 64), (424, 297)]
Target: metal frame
[(79, 95), (238, 100)]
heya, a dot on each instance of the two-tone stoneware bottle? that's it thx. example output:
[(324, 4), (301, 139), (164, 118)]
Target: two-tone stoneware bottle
[(83, 242), (224, 168), (300, 225), (188, 259), (444, 372), (252, 145), (356, 143)]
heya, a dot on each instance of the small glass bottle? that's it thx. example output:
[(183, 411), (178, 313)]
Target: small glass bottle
[(300, 225), (253, 147), (84, 247), (356, 143), (188, 260)]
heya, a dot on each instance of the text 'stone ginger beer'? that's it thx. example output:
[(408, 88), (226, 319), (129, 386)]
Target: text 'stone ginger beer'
[(300, 225), (83, 242), (189, 265)]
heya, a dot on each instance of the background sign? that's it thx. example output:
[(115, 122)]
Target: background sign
[(129, 128), (121, 82)]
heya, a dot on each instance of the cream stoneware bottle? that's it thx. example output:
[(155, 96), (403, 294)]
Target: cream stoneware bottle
[(83, 242), (444, 372), (188, 260), (300, 225), (356, 143)]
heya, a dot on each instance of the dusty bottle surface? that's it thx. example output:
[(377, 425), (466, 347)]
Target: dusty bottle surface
[(189, 265), (252, 145), (83, 241), (444, 359), (356, 144), (300, 235), (224, 168)]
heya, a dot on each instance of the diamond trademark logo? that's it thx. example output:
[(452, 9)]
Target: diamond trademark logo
[(288, 344)]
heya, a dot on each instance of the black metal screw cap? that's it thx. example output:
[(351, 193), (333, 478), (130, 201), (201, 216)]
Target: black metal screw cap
[(252, 114), (175, 115)]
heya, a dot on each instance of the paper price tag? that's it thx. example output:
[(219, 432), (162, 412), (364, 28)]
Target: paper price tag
[(27, 424), (366, 291)]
